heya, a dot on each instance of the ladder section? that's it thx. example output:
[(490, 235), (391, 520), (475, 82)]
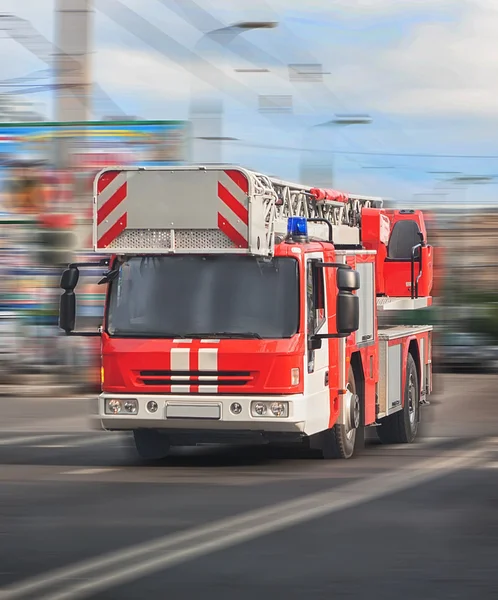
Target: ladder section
[(283, 200), (220, 209)]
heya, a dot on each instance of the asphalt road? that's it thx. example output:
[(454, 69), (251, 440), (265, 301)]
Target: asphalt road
[(81, 517)]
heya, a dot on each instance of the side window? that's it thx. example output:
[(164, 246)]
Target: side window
[(366, 293), (319, 287), (310, 299), (315, 298)]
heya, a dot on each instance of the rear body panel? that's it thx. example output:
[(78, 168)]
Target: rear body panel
[(144, 210)]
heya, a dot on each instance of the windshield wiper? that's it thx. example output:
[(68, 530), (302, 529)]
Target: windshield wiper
[(183, 336), (224, 334), (147, 334)]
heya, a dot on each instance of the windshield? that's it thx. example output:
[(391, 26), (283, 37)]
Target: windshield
[(203, 296)]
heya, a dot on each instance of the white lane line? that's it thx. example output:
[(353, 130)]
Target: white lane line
[(105, 439), (79, 444), (50, 446), (489, 465), (32, 438), (33, 441), (90, 471), (422, 443), (111, 569)]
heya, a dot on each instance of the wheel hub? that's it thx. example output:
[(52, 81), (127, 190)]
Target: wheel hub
[(352, 411), (411, 400)]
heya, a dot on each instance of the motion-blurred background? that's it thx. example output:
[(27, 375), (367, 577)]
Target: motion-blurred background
[(375, 97)]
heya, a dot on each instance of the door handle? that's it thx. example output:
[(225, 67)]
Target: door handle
[(326, 378)]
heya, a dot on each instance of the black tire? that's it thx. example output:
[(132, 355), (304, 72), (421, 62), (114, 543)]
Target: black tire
[(402, 427), (150, 444), (341, 441)]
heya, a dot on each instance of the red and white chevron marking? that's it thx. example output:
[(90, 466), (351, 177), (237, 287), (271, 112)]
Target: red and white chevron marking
[(112, 217), (194, 356), (233, 214)]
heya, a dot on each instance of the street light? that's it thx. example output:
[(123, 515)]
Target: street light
[(253, 25), (323, 175), (347, 120), (206, 112)]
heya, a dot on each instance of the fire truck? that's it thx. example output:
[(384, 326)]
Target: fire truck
[(245, 309)]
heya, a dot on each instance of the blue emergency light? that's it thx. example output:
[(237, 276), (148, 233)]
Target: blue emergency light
[(297, 228)]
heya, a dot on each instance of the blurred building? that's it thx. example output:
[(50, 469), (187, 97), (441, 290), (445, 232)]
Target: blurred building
[(470, 242)]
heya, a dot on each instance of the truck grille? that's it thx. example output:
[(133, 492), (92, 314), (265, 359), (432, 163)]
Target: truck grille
[(222, 379)]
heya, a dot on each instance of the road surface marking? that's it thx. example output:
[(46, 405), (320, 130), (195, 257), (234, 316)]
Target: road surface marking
[(50, 446), (32, 438), (33, 441), (489, 465), (105, 439), (116, 568), (89, 471)]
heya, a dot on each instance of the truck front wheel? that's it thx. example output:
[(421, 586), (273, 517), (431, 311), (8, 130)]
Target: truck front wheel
[(150, 444), (341, 441)]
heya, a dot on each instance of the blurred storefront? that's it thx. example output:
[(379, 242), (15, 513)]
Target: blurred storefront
[(34, 184)]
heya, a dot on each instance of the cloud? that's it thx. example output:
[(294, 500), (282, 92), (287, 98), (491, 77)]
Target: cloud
[(445, 67), (141, 71), (440, 66)]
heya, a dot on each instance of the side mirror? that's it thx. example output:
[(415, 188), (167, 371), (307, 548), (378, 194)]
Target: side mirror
[(70, 278), (67, 303), (67, 311), (315, 343), (347, 306), (348, 280), (348, 313)]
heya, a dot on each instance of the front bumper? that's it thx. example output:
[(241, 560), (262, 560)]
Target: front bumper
[(227, 421)]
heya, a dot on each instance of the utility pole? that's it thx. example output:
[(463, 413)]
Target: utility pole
[(72, 60), (72, 68), (206, 109)]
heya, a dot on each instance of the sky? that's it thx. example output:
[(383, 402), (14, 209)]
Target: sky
[(424, 70)]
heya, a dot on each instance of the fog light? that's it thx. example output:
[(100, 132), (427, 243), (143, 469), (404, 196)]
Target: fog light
[(152, 406), (280, 409), (259, 409), (236, 408), (294, 376)]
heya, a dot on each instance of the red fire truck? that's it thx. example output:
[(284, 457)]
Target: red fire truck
[(241, 308)]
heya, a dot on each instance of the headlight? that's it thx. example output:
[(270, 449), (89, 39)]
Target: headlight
[(270, 409), (259, 409), (121, 406)]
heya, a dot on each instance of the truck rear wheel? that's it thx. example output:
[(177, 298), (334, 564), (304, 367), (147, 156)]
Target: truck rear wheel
[(150, 444), (342, 440), (402, 426)]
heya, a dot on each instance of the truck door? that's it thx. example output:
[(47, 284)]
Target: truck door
[(317, 361)]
